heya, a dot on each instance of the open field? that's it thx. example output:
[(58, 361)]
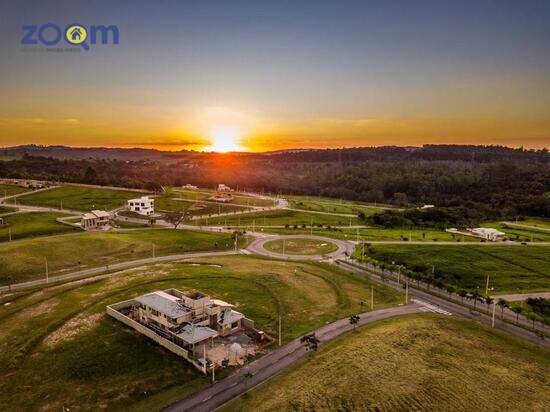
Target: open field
[(108, 366), (421, 362), (536, 223), (163, 204), (79, 198), (511, 268), (25, 260), (7, 209), (10, 190), (331, 205), (297, 246), (375, 233), (280, 218), (203, 194), (520, 234), (33, 224)]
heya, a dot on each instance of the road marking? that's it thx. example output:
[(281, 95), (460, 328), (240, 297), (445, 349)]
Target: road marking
[(427, 307), (245, 252)]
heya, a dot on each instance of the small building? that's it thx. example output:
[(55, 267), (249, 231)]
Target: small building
[(223, 188), (488, 233), (96, 219), (144, 206), (189, 187), (427, 206)]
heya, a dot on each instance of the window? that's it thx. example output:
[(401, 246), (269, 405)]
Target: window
[(234, 325)]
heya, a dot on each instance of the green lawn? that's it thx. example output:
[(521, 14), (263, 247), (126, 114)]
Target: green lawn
[(9, 190), (297, 246), (511, 268), (280, 218), (421, 363), (163, 204), (25, 260), (79, 198), (520, 234), (7, 209), (202, 194), (60, 337), (33, 224), (536, 223), (331, 205)]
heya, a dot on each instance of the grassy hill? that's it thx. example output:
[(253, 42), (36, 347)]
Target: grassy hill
[(60, 337), (79, 198), (424, 362)]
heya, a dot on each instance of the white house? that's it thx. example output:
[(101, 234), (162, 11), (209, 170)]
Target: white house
[(96, 219), (488, 233), (144, 206), (223, 188)]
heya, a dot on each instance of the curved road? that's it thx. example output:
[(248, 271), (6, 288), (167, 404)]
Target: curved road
[(257, 247), (275, 361)]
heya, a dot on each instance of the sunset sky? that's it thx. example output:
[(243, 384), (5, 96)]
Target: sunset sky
[(258, 75)]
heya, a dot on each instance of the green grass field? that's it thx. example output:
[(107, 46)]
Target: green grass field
[(25, 260), (511, 268), (280, 218), (331, 205), (32, 224), (79, 198), (536, 223), (164, 204), (520, 234), (203, 194), (7, 209), (299, 246), (10, 190), (422, 362), (60, 338)]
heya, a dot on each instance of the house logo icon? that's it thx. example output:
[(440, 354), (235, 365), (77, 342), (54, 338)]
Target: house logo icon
[(76, 34)]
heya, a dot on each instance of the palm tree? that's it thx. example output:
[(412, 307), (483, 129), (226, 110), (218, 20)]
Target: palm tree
[(503, 303), (450, 289), (462, 293), (488, 300), (475, 296), (354, 320), (517, 310)]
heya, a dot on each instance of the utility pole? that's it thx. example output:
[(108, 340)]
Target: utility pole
[(280, 330), (407, 293), (213, 372), (47, 274), (487, 287), (372, 297), (493, 321)]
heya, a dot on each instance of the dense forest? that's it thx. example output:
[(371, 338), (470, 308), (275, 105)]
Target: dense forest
[(466, 183)]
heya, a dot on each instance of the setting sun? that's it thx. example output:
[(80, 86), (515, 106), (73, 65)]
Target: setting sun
[(224, 140)]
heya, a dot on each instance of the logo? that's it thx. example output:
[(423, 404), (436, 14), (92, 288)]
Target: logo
[(74, 34)]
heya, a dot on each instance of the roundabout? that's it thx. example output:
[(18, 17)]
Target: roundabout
[(300, 247)]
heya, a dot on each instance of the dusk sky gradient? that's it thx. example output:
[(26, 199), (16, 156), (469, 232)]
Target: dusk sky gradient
[(282, 74)]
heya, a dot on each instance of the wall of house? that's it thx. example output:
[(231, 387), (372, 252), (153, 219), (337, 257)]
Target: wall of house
[(113, 311)]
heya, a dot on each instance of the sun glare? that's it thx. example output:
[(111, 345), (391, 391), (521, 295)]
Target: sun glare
[(224, 140)]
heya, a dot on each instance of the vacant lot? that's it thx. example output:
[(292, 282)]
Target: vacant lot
[(238, 199), (25, 260), (281, 218), (423, 362), (331, 205), (511, 268), (301, 246), (60, 337), (33, 224), (79, 198), (9, 190), (164, 204)]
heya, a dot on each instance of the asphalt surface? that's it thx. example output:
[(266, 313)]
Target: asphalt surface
[(453, 308), (115, 266), (275, 361), (257, 246)]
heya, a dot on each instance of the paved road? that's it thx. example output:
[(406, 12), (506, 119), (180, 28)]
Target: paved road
[(257, 246), (451, 243), (452, 307), (269, 365), (522, 296), (115, 266)]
